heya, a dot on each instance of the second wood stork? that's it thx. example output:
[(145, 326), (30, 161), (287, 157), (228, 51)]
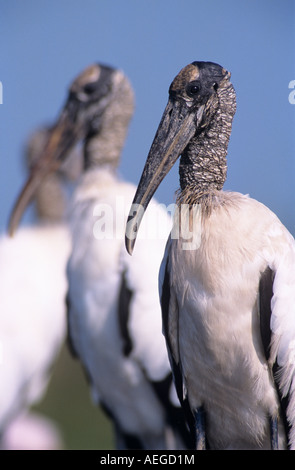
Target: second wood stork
[(114, 315), (33, 289), (227, 277)]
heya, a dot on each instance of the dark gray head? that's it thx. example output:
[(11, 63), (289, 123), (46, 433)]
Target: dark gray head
[(201, 103), (101, 104), (98, 109)]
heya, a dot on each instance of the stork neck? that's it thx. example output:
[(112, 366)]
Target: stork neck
[(104, 146), (203, 165), (103, 149)]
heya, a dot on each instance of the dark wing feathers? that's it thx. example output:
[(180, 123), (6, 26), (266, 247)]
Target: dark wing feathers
[(265, 295), (125, 297), (176, 367), (69, 339), (175, 414)]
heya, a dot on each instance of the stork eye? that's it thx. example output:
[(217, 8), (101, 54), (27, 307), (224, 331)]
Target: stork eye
[(89, 88), (193, 89)]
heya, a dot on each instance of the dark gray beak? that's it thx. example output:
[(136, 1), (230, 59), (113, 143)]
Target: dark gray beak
[(178, 125), (62, 138)]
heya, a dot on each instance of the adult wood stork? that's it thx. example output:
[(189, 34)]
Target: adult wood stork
[(114, 315), (227, 277), (33, 290)]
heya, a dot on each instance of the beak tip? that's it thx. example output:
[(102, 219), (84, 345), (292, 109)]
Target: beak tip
[(11, 228), (129, 245), (15, 217)]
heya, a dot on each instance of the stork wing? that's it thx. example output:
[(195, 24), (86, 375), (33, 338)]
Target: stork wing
[(124, 304), (277, 323), (170, 314)]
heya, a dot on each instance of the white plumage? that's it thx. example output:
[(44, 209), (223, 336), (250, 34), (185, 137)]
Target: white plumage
[(228, 292), (32, 291), (32, 297)]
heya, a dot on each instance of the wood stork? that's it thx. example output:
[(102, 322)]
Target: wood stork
[(227, 279), (114, 314), (33, 290)]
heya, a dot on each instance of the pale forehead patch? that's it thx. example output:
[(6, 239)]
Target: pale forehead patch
[(89, 75), (187, 74), (118, 77)]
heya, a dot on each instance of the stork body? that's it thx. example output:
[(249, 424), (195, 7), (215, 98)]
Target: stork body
[(33, 289), (215, 310), (115, 317), (32, 296), (114, 314), (228, 291)]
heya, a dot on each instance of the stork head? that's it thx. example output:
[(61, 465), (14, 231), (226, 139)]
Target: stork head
[(97, 110), (195, 96)]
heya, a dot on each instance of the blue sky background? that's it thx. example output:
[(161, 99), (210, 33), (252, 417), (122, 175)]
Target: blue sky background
[(44, 44)]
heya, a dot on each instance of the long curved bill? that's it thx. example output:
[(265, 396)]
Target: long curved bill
[(177, 127), (61, 139)]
